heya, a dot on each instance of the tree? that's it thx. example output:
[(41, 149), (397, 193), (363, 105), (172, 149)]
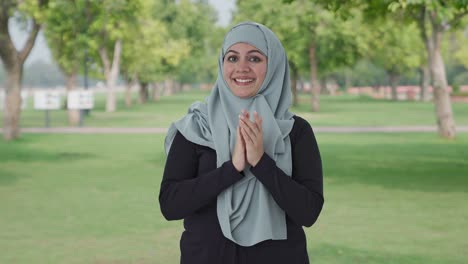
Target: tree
[(395, 47), (440, 18), (194, 22), (109, 22), (31, 12), (65, 31), (113, 23), (434, 18), (150, 48)]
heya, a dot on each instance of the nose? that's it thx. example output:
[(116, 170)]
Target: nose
[(242, 66)]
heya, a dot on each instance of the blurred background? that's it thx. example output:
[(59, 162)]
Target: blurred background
[(88, 89)]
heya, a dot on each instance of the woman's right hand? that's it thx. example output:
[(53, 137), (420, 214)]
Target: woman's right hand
[(238, 157)]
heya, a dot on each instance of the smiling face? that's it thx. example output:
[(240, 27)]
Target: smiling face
[(244, 69)]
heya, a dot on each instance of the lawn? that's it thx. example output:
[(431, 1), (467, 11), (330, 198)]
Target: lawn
[(343, 110), (390, 198)]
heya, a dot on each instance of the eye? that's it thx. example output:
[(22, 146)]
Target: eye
[(231, 58), (255, 59)]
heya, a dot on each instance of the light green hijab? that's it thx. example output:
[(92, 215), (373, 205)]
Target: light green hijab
[(246, 211)]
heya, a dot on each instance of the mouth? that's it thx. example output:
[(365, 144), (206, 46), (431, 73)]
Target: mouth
[(243, 81)]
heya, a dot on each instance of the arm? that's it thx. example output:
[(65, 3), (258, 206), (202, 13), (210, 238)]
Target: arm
[(183, 191), (300, 196)]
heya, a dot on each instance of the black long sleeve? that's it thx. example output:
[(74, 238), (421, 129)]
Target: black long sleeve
[(300, 196), (192, 181), (184, 189)]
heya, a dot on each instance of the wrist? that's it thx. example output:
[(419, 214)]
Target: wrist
[(255, 162), (238, 167)]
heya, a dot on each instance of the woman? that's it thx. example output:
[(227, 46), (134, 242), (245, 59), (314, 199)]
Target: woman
[(242, 171)]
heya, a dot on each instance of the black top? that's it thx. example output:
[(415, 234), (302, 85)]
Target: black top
[(192, 182)]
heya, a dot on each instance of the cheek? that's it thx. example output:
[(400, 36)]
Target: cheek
[(226, 72), (262, 73)]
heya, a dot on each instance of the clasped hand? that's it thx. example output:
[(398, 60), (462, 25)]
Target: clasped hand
[(249, 141)]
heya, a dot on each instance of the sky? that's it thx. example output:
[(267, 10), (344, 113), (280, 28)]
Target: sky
[(41, 52)]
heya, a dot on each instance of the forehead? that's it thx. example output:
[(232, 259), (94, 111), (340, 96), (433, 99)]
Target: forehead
[(242, 47)]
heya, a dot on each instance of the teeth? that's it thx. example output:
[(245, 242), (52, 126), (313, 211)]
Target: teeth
[(243, 80)]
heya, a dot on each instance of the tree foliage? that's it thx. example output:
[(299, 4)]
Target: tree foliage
[(194, 22), (65, 31), (395, 46), (149, 48)]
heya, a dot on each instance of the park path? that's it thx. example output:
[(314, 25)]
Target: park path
[(159, 130)]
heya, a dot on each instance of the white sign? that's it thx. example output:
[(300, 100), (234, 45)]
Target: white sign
[(24, 99), (80, 99), (46, 100)]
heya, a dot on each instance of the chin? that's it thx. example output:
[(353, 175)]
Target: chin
[(243, 95)]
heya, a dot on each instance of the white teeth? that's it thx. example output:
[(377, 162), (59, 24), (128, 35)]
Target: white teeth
[(243, 80)]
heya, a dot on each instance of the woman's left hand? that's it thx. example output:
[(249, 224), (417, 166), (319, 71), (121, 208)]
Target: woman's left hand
[(252, 133)]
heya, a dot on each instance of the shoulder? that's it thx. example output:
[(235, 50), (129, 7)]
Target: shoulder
[(300, 125), (300, 128), (186, 145), (300, 122), (181, 143)]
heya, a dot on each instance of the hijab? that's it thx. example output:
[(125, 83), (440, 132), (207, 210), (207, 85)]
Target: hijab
[(246, 211)]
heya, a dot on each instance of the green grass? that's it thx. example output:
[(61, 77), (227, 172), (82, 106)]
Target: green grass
[(344, 110), (390, 198), (350, 110)]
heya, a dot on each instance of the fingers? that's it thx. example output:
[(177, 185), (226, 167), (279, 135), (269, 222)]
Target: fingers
[(247, 130), (258, 121), (245, 114), (251, 131), (248, 140), (255, 126), (238, 157), (240, 139)]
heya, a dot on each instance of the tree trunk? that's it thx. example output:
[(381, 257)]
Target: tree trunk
[(156, 92), (315, 87), (393, 79), (294, 77), (111, 72), (128, 90), (12, 108), (425, 81), (128, 94), (13, 61), (323, 86), (144, 93), (177, 87), (73, 114), (168, 86), (443, 105)]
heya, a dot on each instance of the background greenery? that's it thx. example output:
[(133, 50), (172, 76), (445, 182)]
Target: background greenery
[(343, 110)]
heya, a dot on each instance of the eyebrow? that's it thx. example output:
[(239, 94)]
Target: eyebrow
[(249, 52)]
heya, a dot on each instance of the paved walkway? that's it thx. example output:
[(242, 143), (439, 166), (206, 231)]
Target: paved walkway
[(156, 130)]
